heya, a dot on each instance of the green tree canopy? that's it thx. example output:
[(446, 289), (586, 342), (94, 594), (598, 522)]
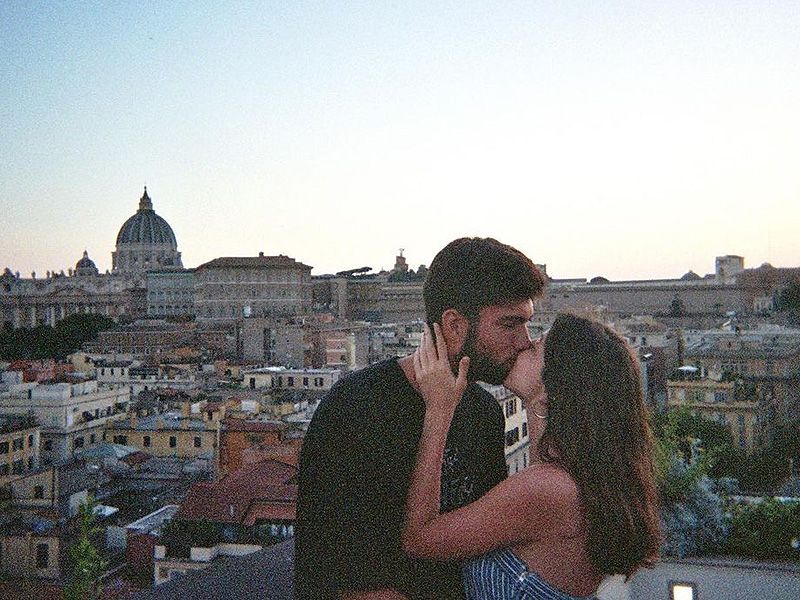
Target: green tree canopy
[(57, 342)]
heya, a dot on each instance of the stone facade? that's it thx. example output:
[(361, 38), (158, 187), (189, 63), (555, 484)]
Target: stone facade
[(227, 289)]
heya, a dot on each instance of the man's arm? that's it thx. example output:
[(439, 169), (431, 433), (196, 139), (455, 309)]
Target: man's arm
[(345, 537)]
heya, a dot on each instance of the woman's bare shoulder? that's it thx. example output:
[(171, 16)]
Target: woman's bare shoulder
[(549, 485)]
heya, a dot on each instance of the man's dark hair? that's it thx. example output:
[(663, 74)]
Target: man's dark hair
[(472, 273)]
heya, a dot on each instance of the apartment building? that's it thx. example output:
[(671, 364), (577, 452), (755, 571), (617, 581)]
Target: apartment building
[(29, 547), (238, 435), (517, 439), (72, 415), (281, 378), (138, 378), (730, 404), (764, 363), (169, 434)]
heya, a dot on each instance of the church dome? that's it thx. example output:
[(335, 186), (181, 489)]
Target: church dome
[(86, 266), (146, 227), (85, 262)]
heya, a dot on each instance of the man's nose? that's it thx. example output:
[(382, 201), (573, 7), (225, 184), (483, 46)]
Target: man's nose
[(523, 341)]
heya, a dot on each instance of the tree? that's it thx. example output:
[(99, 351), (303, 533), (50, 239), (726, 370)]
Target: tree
[(677, 308), (44, 341), (692, 515), (713, 440), (86, 562), (769, 530)]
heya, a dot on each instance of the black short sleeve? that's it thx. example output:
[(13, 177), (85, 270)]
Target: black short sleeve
[(355, 468)]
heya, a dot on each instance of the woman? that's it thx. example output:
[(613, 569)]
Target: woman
[(585, 507)]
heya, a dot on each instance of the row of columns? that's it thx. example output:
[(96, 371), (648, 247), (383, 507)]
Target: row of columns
[(30, 316)]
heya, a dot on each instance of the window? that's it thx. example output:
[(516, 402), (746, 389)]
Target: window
[(92, 438), (720, 397), (78, 442), (511, 407), (42, 556), (30, 441), (38, 492), (17, 444), (197, 441), (146, 441), (305, 381), (121, 439), (173, 441), (512, 437), (17, 467), (48, 445), (30, 463), (525, 431), (682, 591), (290, 381), (3, 447)]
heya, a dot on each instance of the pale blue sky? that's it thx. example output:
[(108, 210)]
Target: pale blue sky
[(624, 139)]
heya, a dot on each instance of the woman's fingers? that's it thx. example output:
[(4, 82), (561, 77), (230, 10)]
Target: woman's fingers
[(425, 347), (441, 345), (463, 368)]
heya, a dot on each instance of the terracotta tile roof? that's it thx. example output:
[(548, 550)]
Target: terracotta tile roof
[(271, 512), (137, 458), (231, 424), (253, 489)]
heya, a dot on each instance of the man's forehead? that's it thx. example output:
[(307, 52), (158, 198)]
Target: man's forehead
[(521, 310)]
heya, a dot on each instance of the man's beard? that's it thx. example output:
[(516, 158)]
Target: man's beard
[(481, 366)]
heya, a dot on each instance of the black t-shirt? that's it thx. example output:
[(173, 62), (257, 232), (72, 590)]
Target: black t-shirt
[(355, 468)]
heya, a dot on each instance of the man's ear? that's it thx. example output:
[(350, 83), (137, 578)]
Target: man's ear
[(455, 328)]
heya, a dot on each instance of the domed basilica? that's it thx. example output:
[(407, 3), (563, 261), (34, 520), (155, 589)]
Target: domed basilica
[(145, 242)]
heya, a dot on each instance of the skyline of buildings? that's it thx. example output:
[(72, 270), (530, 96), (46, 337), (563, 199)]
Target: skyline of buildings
[(146, 225)]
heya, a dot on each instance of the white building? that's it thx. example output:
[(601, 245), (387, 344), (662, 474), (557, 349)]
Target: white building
[(516, 437), (290, 379), (72, 415)]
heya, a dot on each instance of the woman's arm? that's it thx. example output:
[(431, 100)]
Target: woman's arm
[(524, 506)]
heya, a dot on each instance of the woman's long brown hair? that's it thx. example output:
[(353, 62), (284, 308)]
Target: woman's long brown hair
[(597, 431)]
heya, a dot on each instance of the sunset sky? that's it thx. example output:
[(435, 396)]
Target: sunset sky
[(624, 139)]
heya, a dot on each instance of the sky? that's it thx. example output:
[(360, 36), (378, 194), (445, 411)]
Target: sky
[(631, 140)]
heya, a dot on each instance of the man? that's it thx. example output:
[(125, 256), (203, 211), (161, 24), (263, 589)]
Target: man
[(360, 450)]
